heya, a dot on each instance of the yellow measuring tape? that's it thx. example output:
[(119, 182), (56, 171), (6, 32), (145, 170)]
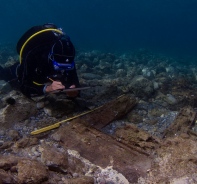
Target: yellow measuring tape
[(44, 30), (56, 125)]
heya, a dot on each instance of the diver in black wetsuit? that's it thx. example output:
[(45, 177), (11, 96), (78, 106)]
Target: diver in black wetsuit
[(46, 61)]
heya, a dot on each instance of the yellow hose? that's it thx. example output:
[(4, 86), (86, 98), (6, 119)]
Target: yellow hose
[(44, 30)]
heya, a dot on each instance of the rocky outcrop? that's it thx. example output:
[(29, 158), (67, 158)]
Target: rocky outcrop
[(22, 109)]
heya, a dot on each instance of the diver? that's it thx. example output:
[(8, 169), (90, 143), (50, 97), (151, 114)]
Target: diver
[(46, 62)]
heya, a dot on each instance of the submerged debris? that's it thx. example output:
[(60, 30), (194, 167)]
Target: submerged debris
[(137, 138)]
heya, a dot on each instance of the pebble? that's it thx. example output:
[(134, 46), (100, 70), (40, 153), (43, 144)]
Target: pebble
[(48, 111), (75, 175), (2, 132), (171, 99), (101, 180), (13, 135), (1, 142), (40, 105), (36, 153)]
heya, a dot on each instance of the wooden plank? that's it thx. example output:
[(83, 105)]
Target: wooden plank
[(109, 112)]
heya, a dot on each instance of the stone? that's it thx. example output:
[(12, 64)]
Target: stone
[(40, 105), (4, 87), (121, 73), (13, 135), (31, 171), (90, 76), (175, 161), (80, 180), (6, 162), (21, 110), (53, 158), (5, 177), (58, 106), (171, 99), (26, 142), (141, 86), (182, 123)]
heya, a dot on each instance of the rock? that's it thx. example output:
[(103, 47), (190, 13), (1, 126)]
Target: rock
[(170, 69), (13, 135), (84, 68), (156, 85), (54, 159), (5, 177), (121, 73), (6, 145), (147, 73), (31, 171), (26, 142), (10, 101), (81, 151), (21, 110), (104, 65), (141, 87), (108, 175), (80, 180), (174, 164), (118, 65), (182, 123), (58, 106), (7, 162), (4, 87), (90, 76), (2, 132), (40, 105), (2, 104), (171, 99), (48, 110)]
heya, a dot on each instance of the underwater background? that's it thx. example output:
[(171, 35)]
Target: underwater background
[(164, 26)]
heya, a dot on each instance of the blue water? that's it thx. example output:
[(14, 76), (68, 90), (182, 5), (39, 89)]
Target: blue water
[(166, 26)]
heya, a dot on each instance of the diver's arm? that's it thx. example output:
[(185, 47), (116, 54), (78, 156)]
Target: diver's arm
[(28, 88)]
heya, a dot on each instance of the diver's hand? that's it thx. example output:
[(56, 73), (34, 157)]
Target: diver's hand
[(72, 93), (55, 85)]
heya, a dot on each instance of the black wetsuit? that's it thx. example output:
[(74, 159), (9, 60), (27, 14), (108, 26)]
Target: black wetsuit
[(38, 70), (33, 75)]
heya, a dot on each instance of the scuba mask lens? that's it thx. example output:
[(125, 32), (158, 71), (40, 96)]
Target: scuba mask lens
[(60, 66), (61, 62), (61, 58)]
